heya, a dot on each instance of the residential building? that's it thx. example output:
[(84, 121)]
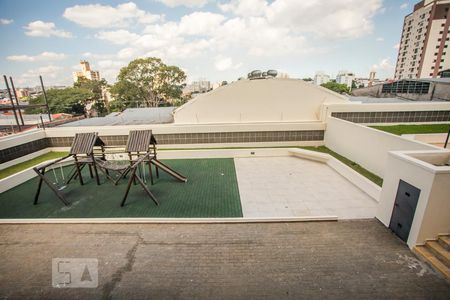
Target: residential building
[(321, 78), (345, 77), (22, 93), (197, 87), (86, 72), (423, 50), (425, 89)]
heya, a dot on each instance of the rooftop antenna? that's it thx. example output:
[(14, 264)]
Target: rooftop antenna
[(17, 100), (45, 98), (12, 102)]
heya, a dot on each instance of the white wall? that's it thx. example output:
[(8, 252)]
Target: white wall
[(366, 146), (21, 138), (433, 207)]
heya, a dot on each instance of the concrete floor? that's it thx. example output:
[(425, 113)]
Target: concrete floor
[(315, 260), (293, 187)]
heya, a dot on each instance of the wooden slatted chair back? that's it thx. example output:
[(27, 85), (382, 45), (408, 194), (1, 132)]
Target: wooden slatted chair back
[(83, 143), (139, 141)]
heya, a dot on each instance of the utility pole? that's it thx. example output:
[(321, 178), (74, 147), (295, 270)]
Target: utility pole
[(17, 100), (45, 98), (12, 102)]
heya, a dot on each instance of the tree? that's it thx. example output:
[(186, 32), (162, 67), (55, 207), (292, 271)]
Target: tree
[(68, 100), (307, 79), (336, 87), (96, 87), (147, 82)]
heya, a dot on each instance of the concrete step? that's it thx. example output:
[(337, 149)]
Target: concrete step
[(444, 240), (429, 257), (441, 253)]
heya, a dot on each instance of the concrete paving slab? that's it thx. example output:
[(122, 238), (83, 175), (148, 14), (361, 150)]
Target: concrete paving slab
[(290, 186), (309, 260)]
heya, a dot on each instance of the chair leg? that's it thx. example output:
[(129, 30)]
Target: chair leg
[(50, 185), (90, 171), (130, 181), (146, 190), (150, 172), (79, 173), (96, 173), (74, 175), (36, 197)]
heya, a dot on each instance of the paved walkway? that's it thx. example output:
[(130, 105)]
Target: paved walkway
[(317, 260), (294, 187)]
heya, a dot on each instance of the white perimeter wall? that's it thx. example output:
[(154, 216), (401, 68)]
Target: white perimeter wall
[(366, 146), (432, 215)]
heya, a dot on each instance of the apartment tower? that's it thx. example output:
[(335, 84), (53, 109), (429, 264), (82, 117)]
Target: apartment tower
[(86, 72), (423, 51)]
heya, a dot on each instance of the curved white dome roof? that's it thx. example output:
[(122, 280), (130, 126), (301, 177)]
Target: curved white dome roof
[(261, 100)]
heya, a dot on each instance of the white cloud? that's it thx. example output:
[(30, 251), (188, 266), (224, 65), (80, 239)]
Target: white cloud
[(404, 6), (119, 37), (331, 19), (45, 29), (245, 7), (47, 71), (223, 63), (396, 46), (200, 23), (5, 21), (104, 16), (385, 67), (379, 39), (188, 3), (44, 56)]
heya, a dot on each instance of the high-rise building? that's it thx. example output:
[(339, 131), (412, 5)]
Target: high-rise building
[(321, 78), (345, 77), (86, 72), (424, 45)]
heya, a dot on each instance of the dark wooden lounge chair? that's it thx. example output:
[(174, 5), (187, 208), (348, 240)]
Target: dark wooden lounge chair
[(82, 151), (141, 150)]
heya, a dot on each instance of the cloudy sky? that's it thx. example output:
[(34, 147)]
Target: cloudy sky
[(213, 40)]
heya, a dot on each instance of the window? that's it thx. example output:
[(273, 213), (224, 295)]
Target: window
[(431, 74), (406, 86)]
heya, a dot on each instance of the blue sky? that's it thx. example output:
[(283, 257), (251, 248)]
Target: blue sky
[(213, 40)]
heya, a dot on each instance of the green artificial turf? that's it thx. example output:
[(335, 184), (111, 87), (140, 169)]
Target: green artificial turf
[(30, 163), (210, 192), (366, 173), (414, 129)]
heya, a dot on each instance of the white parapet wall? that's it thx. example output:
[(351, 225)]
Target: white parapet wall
[(21, 138), (329, 108), (191, 128), (366, 146), (429, 171)]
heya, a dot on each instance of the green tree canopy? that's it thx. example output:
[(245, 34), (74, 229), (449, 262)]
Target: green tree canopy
[(95, 86), (68, 100), (336, 87), (148, 82)]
